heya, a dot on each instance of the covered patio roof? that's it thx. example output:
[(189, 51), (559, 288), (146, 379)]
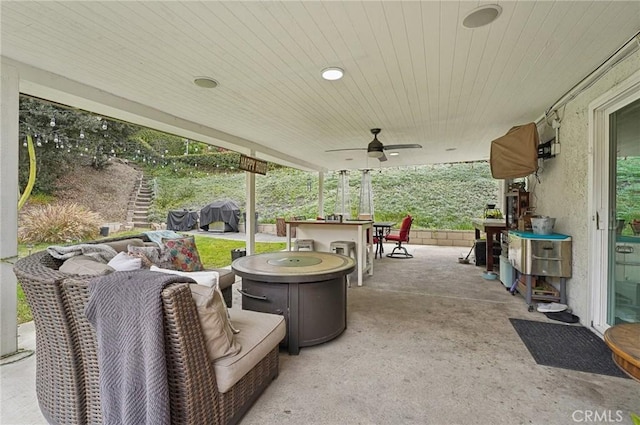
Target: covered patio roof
[(411, 68)]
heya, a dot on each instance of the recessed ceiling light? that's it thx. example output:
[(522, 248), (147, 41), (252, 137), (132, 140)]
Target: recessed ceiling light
[(205, 82), (394, 153), (332, 73), (482, 16)]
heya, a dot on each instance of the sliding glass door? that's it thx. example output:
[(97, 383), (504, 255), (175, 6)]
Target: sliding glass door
[(623, 283), (614, 208)]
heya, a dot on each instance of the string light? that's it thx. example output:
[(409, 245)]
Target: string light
[(104, 125), (53, 122), (81, 134)]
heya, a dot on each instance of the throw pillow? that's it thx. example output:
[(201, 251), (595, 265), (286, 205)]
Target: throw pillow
[(210, 278), (85, 265), (183, 253), (145, 263), (152, 253), (123, 262), (216, 328)]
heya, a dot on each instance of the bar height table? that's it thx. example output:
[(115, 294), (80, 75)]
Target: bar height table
[(324, 232)]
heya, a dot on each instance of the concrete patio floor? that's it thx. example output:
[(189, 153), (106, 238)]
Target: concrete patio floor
[(428, 342)]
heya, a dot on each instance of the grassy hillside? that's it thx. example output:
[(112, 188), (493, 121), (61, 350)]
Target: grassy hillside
[(438, 196)]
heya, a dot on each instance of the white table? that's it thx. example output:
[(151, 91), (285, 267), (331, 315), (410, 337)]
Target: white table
[(324, 232)]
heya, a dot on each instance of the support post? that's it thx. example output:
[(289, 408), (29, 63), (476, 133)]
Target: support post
[(9, 104), (250, 222), (321, 194)]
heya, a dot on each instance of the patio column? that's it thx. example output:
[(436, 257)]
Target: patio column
[(9, 104), (249, 225), (321, 194)]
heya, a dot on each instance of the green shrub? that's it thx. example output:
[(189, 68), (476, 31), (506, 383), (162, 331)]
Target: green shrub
[(55, 223), (40, 199)]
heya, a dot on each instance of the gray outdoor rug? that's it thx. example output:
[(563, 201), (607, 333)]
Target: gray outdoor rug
[(566, 347)]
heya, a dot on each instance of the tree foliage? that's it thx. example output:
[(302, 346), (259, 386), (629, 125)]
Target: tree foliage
[(64, 136)]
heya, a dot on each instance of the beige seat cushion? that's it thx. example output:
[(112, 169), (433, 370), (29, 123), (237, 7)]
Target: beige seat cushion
[(226, 278), (208, 278), (259, 334), (85, 265), (223, 277)]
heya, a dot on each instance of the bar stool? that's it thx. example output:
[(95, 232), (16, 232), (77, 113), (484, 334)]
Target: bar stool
[(303, 245), (347, 248)]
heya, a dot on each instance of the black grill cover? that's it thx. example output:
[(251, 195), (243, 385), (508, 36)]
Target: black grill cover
[(225, 210), (182, 220)]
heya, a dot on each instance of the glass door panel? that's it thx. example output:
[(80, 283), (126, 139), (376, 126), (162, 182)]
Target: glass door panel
[(624, 218)]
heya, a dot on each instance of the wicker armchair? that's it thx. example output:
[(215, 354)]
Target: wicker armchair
[(59, 376), (67, 375)]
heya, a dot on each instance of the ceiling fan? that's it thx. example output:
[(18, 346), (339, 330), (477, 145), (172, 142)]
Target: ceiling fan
[(376, 149)]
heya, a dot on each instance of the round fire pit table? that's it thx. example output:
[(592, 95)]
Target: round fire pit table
[(308, 288)]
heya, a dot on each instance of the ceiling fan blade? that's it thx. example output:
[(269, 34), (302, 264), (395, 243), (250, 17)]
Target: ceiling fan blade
[(405, 146), (382, 158), (347, 149)]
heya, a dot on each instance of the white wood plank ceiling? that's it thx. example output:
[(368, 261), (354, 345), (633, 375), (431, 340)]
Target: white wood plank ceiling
[(411, 68)]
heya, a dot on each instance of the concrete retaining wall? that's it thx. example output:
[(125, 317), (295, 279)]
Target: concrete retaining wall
[(416, 237)]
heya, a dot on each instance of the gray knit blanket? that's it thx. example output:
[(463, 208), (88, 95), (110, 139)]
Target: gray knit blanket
[(125, 309), (101, 252)]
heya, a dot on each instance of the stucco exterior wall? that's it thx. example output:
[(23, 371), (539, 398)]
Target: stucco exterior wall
[(563, 190)]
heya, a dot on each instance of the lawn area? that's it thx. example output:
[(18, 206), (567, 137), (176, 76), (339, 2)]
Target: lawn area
[(214, 253)]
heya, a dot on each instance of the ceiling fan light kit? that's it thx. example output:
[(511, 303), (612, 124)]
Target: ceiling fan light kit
[(375, 148)]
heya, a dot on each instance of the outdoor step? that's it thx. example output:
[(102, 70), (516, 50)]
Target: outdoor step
[(139, 206)]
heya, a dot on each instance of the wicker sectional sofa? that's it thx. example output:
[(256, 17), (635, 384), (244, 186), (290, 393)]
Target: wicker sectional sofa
[(67, 373)]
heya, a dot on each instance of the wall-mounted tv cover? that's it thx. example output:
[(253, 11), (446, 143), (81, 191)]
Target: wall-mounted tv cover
[(516, 153)]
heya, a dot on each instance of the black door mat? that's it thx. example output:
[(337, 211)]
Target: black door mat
[(566, 347)]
